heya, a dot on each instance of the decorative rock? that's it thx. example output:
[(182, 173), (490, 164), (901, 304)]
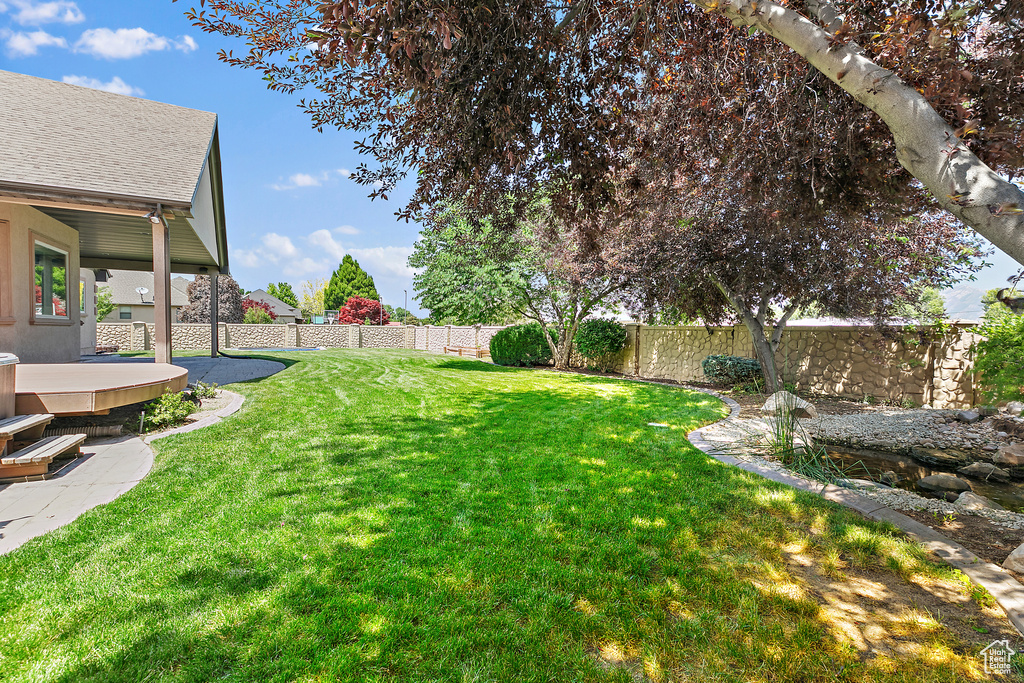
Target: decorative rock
[(986, 471), (861, 484), (782, 400), (972, 501), (986, 411), (941, 483), (1015, 562), (968, 416), (936, 456), (1010, 455), (889, 478), (1015, 407)]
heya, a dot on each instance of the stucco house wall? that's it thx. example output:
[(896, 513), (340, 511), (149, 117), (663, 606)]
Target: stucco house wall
[(40, 340)]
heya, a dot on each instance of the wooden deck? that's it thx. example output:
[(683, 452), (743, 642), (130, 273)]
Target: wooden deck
[(87, 388)]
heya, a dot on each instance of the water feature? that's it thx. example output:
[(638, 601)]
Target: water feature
[(865, 464)]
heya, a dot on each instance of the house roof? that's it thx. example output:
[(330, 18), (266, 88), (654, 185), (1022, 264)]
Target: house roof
[(67, 137), (99, 162), (123, 286), (276, 305)]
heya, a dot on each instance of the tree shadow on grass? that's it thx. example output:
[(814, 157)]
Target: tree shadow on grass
[(475, 366), (486, 542)]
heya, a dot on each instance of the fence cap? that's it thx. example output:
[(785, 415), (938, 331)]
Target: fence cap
[(8, 359)]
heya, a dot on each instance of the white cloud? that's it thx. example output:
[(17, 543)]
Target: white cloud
[(301, 180), (346, 230), (344, 172), (386, 261), (34, 13), (318, 253), (23, 44), (115, 85), (277, 247), (126, 43)]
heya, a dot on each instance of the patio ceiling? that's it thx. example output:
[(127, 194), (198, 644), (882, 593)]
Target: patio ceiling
[(126, 242)]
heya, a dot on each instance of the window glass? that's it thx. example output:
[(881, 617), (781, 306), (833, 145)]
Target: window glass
[(51, 295), (125, 313)]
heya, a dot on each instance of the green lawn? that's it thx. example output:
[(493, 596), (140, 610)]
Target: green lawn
[(394, 516)]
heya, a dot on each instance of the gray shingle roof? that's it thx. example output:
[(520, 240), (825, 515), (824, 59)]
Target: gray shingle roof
[(71, 138), (123, 283), (276, 305)]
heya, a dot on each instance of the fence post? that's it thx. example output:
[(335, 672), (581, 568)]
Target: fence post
[(448, 335), (291, 335)]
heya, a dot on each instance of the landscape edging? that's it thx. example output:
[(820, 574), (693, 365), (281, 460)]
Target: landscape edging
[(1006, 590)]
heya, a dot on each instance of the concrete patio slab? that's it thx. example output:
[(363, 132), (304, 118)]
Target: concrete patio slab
[(220, 371)]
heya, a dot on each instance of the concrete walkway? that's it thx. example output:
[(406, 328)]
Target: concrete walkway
[(218, 371), (109, 468)]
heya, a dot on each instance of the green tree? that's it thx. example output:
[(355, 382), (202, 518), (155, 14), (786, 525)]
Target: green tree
[(994, 308), (284, 292), (348, 280), (400, 315), (104, 303), (538, 269)]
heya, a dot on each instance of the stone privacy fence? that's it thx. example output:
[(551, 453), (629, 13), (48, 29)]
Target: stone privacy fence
[(849, 361)]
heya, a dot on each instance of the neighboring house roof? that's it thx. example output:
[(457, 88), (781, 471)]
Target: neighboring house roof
[(276, 305), (111, 145), (99, 162), (124, 285)]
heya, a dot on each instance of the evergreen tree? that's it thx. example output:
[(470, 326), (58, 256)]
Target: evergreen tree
[(348, 280)]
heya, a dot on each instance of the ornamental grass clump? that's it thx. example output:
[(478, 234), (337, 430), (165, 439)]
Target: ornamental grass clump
[(600, 341), (521, 345)]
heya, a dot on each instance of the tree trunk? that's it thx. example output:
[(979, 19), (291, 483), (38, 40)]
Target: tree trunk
[(764, 352), (925, 144)]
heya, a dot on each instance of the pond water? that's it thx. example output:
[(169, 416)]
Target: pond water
[(863, 464)]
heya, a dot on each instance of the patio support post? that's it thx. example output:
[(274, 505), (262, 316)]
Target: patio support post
[(214, 329), (161, 287)]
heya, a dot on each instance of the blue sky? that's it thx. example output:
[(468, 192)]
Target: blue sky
[(292, 213)]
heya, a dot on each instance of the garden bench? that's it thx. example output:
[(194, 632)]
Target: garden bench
[(35, 460), (468, 351)]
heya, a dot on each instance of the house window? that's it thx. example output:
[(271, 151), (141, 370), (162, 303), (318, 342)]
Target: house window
[(51, 290), (125, 313)]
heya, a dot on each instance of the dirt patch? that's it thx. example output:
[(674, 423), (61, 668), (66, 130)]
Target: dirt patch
[(881, 613), (988, 541)]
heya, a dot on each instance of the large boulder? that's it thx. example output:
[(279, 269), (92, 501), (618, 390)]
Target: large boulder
[(1015, 562), (968, 416), (943, 483), (1012, 456), (781, 401), (1015, 407), (972, 501), (937, 456), (986, 471)]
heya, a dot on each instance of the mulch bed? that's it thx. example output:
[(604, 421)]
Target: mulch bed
[(988, 541)]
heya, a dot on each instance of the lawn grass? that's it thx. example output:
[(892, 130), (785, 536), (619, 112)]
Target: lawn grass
[(396, 516)]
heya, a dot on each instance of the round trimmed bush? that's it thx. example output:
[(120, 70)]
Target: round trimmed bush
[(599, 340), (520, 345), (731, 369)]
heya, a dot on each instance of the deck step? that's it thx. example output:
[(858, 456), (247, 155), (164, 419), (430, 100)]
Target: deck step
[(45, 450), (20, 423)]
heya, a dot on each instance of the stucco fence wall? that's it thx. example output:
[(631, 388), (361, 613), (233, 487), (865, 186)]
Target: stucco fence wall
[(852, 362)]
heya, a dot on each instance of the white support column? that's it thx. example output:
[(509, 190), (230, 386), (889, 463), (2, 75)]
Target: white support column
[(162, 289), (214, 306)]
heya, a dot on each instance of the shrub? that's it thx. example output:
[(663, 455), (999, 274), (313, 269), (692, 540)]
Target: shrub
[(600, 340), (360, 311), (252, 311), (168, 410), (731, 369), (257, 316), (520, 345), (1000, 358), (203, 390)]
